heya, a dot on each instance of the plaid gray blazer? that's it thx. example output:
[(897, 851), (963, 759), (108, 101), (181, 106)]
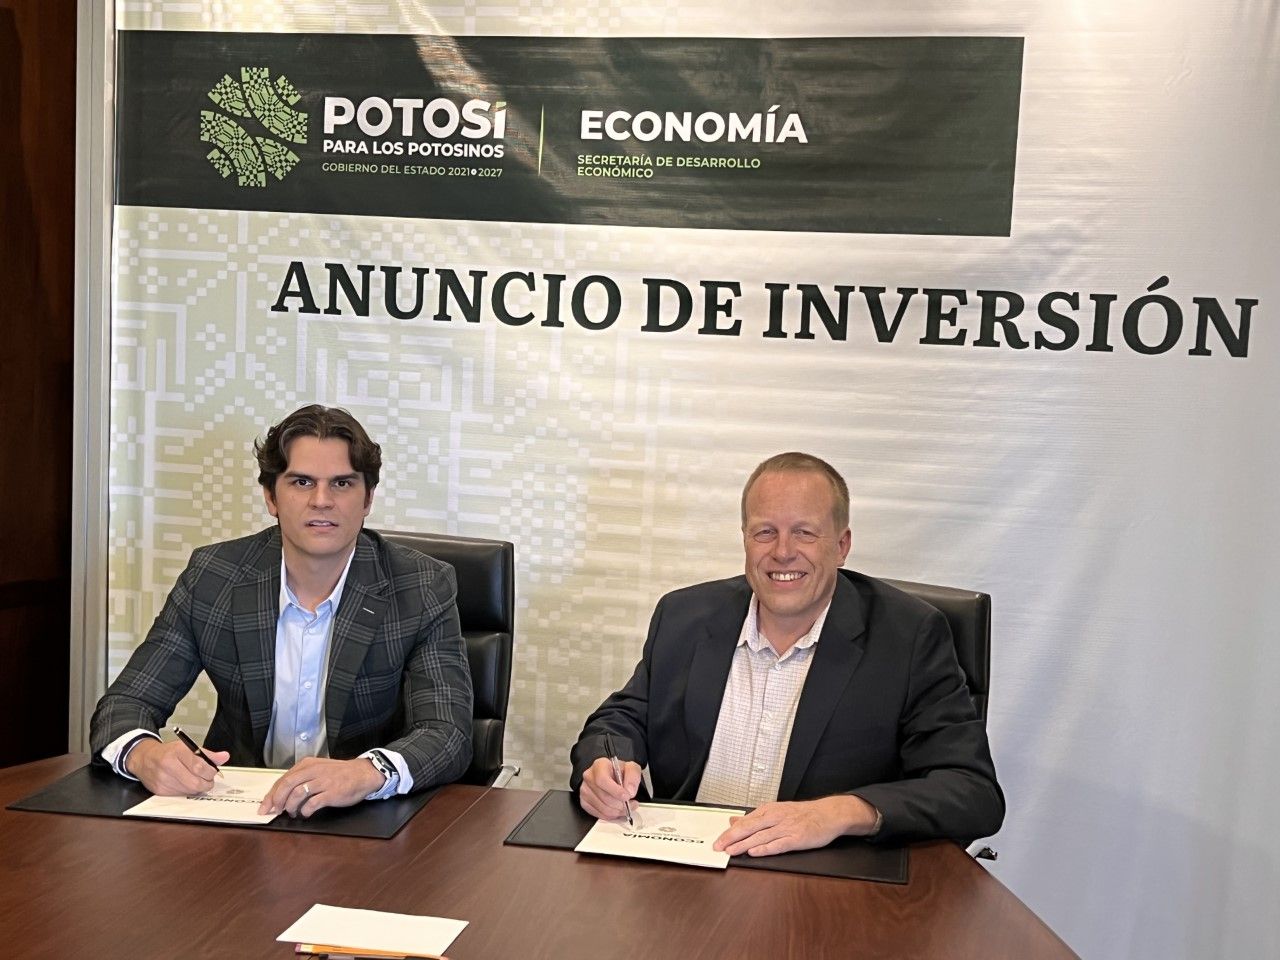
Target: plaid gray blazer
[(398, 675)]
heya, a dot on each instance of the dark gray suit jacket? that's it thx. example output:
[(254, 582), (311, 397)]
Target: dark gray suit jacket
[(397, 675), (884, 713)]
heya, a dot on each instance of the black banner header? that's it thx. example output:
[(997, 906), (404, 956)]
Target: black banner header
[(913, 135)]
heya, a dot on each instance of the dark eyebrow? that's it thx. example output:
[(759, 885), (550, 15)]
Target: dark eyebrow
[(294, 474)]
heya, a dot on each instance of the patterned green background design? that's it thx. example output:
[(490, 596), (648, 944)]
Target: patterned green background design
[(612, 459)]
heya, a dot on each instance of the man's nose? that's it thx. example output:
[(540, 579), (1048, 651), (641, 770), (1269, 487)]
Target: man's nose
[(784, 546), (321, 495)]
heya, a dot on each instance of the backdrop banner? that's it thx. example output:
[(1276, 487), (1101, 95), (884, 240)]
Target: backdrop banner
[(661, 132), (1009, 267)]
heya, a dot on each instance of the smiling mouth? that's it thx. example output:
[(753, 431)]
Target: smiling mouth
[(786, 576), (321, 523)]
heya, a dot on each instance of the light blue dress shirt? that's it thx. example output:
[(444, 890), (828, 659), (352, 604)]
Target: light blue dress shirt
[(302, 655), (298, 727)]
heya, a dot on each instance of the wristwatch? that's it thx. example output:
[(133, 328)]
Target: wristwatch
[(390, 777)]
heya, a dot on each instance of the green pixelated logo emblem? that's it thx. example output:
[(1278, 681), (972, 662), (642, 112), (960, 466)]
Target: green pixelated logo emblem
[(235, 149)]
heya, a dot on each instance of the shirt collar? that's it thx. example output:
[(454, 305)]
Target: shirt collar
[(287, 598), (756, 641)]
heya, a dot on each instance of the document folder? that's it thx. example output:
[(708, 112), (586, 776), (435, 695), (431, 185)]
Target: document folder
[(558, 822), (97, 791)]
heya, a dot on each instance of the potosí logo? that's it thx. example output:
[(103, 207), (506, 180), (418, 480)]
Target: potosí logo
[(250, 155), (411, 126)]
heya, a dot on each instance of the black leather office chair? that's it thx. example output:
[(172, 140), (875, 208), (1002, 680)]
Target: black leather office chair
[(486, 575), (969, 615)]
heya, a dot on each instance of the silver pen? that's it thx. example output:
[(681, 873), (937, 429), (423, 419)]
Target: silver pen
[(617, 772)]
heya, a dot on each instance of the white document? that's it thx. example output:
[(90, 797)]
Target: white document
[(676, 834), (234, 798), (374, 930)]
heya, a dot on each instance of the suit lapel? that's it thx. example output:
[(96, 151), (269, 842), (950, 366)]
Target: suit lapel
[(255, 609), (709, 670), (836, 656), (360, 614)]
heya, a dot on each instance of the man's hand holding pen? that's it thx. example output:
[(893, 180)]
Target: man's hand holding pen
[(171, 769), (603, 796)]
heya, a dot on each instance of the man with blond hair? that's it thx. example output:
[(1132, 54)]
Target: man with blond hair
[(829, 702)]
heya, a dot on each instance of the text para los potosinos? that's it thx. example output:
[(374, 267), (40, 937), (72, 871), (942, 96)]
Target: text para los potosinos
[(422, 127), (1151, 323)]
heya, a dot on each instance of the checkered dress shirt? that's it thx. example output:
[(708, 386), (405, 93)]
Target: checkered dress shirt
[(756, 714)]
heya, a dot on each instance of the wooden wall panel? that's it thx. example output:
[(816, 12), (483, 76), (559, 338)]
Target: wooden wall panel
[(37, 259)]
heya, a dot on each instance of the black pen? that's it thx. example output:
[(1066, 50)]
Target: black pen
[(617, 772), (191, 745)]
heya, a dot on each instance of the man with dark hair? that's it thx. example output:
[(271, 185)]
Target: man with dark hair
[(827, 701), (323, 423), (334, 653)]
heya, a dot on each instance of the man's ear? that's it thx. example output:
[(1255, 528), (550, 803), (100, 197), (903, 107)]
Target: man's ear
[(368, 499), (270, 498), (846, 541)]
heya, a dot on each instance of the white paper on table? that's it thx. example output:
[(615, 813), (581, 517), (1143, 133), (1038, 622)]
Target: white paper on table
[(374, 930), (233, 798), (676, 834)]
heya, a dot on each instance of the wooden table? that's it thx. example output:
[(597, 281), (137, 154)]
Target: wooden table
[(95, 887)]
